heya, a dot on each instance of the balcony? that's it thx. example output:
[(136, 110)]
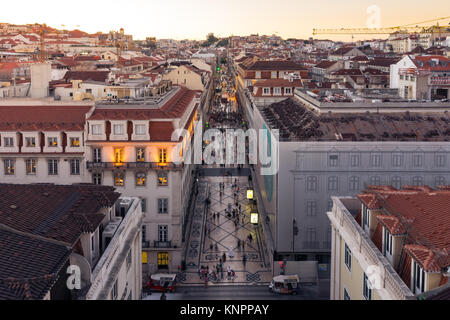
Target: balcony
[(439, 81), (162, 244), (133, 165)]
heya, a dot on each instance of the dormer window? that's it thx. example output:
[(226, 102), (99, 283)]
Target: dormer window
[(96, 129), (140, 129), (8, 142), (418, 278), (52, 142), (30, 142), (287, 90), (75, 142), (266, 91), (258, 74), (387, 244), (118, 129), (277, 91)]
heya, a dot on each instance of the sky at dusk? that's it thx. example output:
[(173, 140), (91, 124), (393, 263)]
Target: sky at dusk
[(194, 19)]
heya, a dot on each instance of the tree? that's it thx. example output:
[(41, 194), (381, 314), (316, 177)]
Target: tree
[(222, 43)]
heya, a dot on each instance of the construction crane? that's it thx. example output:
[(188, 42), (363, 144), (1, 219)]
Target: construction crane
[(42, 52), (408, 28)]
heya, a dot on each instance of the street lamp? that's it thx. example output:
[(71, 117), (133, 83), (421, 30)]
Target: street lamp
[(249, 194), (254, 217)]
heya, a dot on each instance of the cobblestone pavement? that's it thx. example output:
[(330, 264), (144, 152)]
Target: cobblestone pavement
[(225, 235)]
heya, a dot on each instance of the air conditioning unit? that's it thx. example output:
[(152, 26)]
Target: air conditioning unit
[(108, 234), (124, 205)]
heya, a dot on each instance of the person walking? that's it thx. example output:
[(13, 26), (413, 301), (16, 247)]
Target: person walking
[(244, 259), (228, 272), (224, 257)]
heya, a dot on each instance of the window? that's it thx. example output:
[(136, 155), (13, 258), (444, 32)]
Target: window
[(375, 181), (397, 182), (440, 181), (333, 160), (118, 178), (162, 155), (52, 141), (287, 91), (418, 278), (8, 142), (74, 142), (277, 91), (333, 183), (162, 205), (114, 291), (311, 183), (348, 258), (140, 154), (417, 160), (163, 235), (353, 183), (387, 243), (9, 166), (140, 129), (375, 160), (355, 160), (144, 233), (144, 204), (397, 160), (52, 167), (417, 181), (367, 291), (266, 91), (118, 129), (89, 91), (329, 205), (30, 166), (258, 74), (97, 178), (118, 155), (75, 167), (365, 218), (346, 295), (140, 178), (162, 179), (163, 260), (311, 238), (273, 74), (97, 155), (96, 129), (311, 208), (440, 160), (30, 142)]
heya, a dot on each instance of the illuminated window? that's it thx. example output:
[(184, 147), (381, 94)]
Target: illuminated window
[(144, 257), (75, 142), (52, 142), (30, 165), (30, 142), (118, 155), (162, 178), (163, 260), (9, 166), (162, 155), (140, 179), (140, 154), (118, 179)]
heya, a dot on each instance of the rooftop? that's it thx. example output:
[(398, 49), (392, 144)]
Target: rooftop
[(297, 122), (59, 212)]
